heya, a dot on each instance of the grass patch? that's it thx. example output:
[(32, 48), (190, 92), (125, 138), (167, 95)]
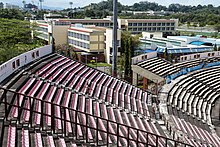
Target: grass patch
[(98, 64)]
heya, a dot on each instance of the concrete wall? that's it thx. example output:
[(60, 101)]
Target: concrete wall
[(7, 68), (199, 56), (143, 57), (109, 43), (97, 47), (60, 34), (152, 34)]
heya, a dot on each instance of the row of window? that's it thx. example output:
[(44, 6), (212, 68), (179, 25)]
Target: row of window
[(42, 29), (78, 43), (79, 36), (62, 23), (151, 24), (152, 29), (99, 24), (17, 63)]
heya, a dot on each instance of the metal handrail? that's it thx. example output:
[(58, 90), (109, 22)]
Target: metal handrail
[(97, 129)]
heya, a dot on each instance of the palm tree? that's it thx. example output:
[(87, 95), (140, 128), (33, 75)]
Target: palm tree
[(71, 5)]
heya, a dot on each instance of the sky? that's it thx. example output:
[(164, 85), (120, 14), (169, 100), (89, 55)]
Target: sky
[(80, 3)]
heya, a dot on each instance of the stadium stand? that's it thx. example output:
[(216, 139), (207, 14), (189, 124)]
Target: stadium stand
[(158, 66), (190, 103), (196, 93), (56, 101)]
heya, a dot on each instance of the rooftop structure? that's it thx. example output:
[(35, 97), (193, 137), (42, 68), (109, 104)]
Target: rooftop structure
[(197, 40), (173, 45)]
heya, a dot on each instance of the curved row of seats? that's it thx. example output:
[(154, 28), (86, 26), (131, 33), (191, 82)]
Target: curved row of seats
[(163, 68), (77, 101), (158, 66), (75, 86), (195, 130), (15, 136), (97, 84), (196, 93), (194, 96)]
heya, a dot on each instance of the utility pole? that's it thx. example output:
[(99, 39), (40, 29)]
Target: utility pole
[(115, 27)]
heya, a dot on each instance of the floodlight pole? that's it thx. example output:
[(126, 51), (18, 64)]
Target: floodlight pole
[(115, 27)]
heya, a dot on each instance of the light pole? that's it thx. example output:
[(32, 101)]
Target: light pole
[(115, 27), (71, 5)]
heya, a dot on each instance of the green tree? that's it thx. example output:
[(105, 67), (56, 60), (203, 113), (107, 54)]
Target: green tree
[(11, 14), (15, 38), (66, 50), (128, 44)]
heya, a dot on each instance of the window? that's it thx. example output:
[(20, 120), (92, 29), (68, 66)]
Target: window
[(129, 24), (80, 36), (168, 24), (209, 54), (13, 65), (139, 24), (144, 24), (154, 24), (139, 29), (198, 55), (195, 56), (213, 54), (18, 62), (149, 24), (33, 55), (134, 24), (37, 54)]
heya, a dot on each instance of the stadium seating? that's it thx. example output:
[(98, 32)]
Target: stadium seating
[(196, 93), (63, 99), (159, 66), (191, 99), (60, 102), (194, 129)]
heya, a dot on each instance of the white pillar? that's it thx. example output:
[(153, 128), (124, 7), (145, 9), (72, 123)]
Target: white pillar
[(135, 79)]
